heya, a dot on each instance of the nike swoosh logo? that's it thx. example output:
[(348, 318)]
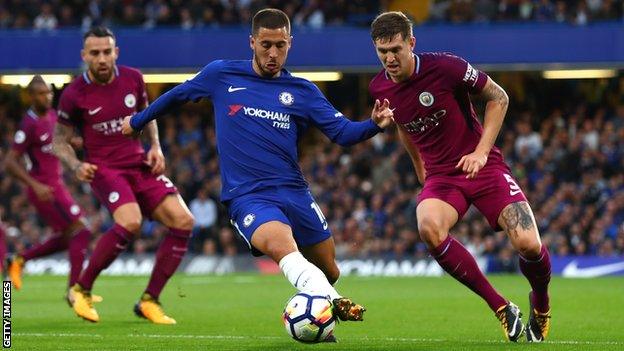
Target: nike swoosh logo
[(181, 249), (44, 136), (514, 192), (573, 270), (120, 247), (92, 112), (231, 89)]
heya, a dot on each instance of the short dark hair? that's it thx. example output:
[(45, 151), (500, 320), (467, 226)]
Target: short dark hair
[(37, 79), (100, 32), (389, 24), (271, 19)]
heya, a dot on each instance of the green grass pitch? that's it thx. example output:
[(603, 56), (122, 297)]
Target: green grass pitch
[(242, 312)]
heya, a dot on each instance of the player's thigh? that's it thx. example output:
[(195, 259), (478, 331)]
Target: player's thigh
[(113, 189), (440, 205), (306, 217), (518, 222), (323, 255), (151, 189), (172, 212), (263, 225), (60, 212), (492, 191)]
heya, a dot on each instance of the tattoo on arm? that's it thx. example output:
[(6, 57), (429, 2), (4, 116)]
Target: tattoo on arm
[(493, 92), (152, 133), (517, 215), (62, 147)]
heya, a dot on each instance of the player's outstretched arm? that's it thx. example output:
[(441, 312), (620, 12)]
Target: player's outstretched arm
[(65, 152), (13, 166), (417, 161), (495, 110)]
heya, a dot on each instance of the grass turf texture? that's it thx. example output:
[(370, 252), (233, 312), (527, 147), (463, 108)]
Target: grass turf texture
[(242, 312)]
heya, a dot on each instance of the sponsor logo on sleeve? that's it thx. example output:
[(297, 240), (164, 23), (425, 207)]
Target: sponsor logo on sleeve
[(471, 75), (113, 197)]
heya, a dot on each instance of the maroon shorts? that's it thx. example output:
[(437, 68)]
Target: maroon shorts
[(118, 186), (490, 191), (59, 212)]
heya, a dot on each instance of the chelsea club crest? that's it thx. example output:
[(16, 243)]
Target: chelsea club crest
[(286, 98)]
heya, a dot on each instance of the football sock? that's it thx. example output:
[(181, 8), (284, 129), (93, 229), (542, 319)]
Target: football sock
[(305, 276), (54, 244), (77, 251), (537, 272), (168, 257), (108, 247), (461, 265)]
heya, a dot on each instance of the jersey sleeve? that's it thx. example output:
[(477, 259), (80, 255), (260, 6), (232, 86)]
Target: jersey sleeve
[(460, 73), (67, 111), (200, 86), (22, 138), (333, 123)]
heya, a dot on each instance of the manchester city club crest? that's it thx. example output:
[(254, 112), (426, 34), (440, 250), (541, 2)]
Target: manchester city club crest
[(286, 98), (426, 99), (130, 101)]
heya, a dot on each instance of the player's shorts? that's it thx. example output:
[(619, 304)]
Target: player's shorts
[(490, 191), (114, 187), (290, 205), (60, 212)]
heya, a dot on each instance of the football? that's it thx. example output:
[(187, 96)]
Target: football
[(309, 318)]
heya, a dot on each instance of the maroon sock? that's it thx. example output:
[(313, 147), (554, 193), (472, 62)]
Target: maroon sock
[(461, 265), (54, 244), (3, 248), (537, 272), (168, 258), (108, 247), (77, 251)]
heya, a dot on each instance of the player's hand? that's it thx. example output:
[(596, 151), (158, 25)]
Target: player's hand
[(382, 115), (127, 130), (43, 192), (86, 172), (472, 163), (156, 160)]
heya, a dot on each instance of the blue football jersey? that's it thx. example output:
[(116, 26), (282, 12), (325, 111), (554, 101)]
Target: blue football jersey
[(258, 123)]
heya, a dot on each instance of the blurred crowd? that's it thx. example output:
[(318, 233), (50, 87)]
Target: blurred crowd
[(186, 14), (191, 14), (568, 157), (579, 12)]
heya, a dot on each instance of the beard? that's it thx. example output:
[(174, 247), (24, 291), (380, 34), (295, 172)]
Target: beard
[(263, 72), (101, 77)]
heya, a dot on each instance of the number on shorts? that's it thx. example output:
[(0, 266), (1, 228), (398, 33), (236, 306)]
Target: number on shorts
[(514, 189), (320, 215), (165, 180)]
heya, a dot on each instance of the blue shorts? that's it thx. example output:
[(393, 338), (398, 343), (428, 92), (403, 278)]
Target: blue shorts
[(292, 206)]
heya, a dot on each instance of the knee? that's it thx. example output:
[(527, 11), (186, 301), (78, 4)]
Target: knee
[(184, 221), (432, 232), (132, 225), (528, 247)]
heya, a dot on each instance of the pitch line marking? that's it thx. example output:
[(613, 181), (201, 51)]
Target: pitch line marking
[(243, 337)]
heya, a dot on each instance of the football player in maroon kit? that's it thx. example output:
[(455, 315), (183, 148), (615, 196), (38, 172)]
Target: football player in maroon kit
[(46, 189), (456, 161), (124, 178)]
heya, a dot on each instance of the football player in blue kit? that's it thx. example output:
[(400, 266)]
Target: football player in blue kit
[(261, 110)]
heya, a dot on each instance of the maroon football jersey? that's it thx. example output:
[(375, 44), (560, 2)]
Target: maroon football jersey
[(34, 139), (434, 107), (98, 110)]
